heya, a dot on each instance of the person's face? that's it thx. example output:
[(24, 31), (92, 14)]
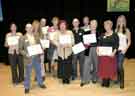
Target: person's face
[(93, 25), (121, 21), (43, 22), (76, 23), (29, 29), (13, 28), (55, 22), (108, 26), (62, 26), (86, 21)]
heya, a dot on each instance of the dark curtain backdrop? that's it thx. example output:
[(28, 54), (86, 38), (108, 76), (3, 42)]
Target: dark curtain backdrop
[(23, 11)]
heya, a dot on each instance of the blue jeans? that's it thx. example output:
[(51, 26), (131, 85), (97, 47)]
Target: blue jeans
[(36, 64), (77, 57), (120, 61)]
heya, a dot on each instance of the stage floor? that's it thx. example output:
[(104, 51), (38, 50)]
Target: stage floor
[(56, 88)]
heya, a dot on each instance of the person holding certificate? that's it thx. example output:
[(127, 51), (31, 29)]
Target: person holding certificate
[(78, 33), (106, 50), (44, 37), (52, 51), (30, 47), (86, 22), (124, 43), (64, 41), (15, 58), (91, 61), (36, 30)]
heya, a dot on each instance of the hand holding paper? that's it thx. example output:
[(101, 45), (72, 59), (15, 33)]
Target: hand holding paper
[(78, 48), (13, 40), (34, 50), (90, 38), (104, 51), (65, 39)]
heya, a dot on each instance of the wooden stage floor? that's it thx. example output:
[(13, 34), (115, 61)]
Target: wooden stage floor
[(56, 88)]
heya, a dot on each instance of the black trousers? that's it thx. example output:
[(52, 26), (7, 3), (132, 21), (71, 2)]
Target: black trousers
[(65, 68), (17, 67)]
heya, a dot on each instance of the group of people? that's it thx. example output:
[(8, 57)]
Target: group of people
[(58, 51)]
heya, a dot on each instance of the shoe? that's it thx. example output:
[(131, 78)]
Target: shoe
[(121, 86), (42, 86), (82, 84), (27, 91), (64, 81), (67, 81), (94, 81)]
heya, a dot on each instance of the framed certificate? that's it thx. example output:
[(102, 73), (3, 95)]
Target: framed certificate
[(13, 40), (34, 50), (45, 43), (105, 51), (65, 39), (78, 48), (90, 38)]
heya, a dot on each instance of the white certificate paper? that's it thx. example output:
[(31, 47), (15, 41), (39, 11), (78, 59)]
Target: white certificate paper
[(78, 48), (45, 43), (90, 38), (65, 39), (13, 40), (34, 50), (87, 29), (45, 29), (105, 51)]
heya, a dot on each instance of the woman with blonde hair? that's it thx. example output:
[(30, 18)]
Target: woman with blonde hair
[(52, 51), (36, 30), (124, 43)]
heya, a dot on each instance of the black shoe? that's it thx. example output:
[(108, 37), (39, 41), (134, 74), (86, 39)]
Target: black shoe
[(42, 86), (121, 85), (94, 81), (107, 83), (67, 81), (27, 91), (82, 84), (64, 81)]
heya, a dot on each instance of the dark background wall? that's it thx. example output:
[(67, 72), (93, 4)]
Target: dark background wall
[(23, 11)]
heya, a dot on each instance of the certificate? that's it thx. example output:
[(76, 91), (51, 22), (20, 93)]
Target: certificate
[(45, 43), (105, 51), (34, 50), (90, 38), (65, 39), (13, 40), (87, 29), (78, 48), (44, 29)]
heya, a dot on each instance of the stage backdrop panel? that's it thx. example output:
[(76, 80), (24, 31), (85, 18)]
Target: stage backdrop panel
[(118, 5)]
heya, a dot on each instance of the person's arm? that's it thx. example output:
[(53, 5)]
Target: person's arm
[(55, 41), (116, 44), (128, 34), (21, 46), (99, 43), (6, 43)]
